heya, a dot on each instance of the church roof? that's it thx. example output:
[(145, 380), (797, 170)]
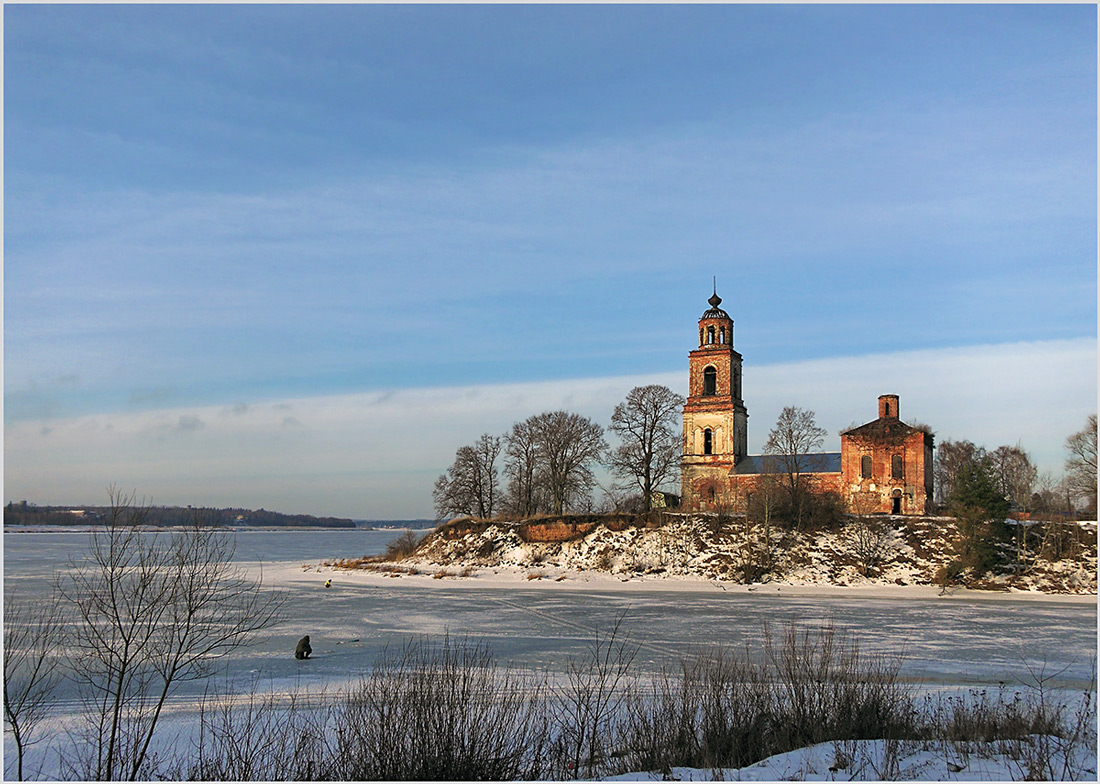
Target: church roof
[(883, 428), (817, 463)]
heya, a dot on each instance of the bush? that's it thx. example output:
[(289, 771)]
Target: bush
[(441, 712), (726, 710), (403, 546), (446, 711)]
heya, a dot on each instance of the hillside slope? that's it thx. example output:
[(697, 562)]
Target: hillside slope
[(881, 550)]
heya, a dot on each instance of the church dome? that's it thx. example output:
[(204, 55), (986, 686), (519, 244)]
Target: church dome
[(715, 311)]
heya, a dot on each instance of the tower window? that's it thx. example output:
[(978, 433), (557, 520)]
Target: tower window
[(897, 470), (865, 467), (710, 335), (708, 442), (722, 335), (710, 381)]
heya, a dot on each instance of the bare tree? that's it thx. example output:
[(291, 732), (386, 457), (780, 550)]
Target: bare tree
[(1081, 464), (870, 539), (792, 445), (1052, 496), (470, 486), (589, 702), (951, 456), (566, 446), (33, 639), (756, 553), (647, 424), (522, 467), (1015, 474), (151, 613)]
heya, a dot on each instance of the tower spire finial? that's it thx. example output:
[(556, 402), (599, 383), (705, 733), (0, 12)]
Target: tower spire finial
[(715, 300)]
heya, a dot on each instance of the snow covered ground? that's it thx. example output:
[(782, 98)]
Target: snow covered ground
[(541, 615), (880, 760), (882, 551)]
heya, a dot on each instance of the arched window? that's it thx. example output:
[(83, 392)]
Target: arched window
[(722, 335), (708, 442), (710, 335), (710, 381), (711, 494), (865, 467), (897, 469)]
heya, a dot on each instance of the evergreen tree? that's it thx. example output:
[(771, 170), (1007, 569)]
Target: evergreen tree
[(979, 510)]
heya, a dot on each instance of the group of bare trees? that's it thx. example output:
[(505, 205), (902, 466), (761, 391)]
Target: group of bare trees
[(1081, 464), (980, 488), (1018, 480), (127, 623), (549, 460)]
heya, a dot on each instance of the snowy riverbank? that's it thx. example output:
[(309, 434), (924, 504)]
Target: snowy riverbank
[(880, 553)]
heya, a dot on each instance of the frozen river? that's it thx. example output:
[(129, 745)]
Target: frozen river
[(957, 640)]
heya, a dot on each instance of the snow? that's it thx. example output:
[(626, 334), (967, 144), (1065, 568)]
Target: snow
[(537, 609), (898, 551), (878, 760)]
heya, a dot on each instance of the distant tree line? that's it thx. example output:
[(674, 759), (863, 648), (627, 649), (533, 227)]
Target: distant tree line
[(24, 513), (546, 463)]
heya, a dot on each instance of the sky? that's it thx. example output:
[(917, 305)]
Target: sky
[(293, 257)]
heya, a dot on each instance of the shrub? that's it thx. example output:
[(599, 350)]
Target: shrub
[(727, 710), (446, 711), (441, 712), (403, 546)]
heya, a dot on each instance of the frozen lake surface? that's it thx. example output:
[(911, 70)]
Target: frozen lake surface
[(970, 639), (964, 640)]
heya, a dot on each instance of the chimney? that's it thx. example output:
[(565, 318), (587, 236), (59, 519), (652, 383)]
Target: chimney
[(888, 407)]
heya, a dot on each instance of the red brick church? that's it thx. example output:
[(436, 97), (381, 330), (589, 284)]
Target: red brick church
[(884, 466)]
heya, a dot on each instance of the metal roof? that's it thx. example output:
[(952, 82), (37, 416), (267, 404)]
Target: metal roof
[(817, 463)]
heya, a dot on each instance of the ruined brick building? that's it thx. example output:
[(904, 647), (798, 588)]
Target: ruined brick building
[(884, 466)]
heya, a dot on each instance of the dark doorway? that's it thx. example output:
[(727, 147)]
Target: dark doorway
[(896, 506)]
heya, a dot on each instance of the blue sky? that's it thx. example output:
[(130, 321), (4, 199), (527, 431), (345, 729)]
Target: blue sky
[(264, 208)]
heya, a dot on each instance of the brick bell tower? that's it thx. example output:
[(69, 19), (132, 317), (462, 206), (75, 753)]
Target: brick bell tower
[(715, 417)]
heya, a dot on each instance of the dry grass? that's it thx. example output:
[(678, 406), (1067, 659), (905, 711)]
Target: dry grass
[(447, 711), (366, 562)]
